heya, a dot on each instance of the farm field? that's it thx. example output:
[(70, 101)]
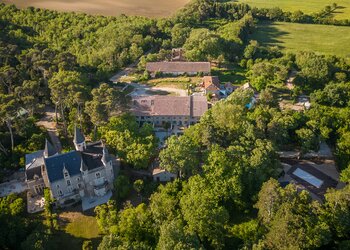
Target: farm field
[(150, 8), (323, 39), (307, 6)]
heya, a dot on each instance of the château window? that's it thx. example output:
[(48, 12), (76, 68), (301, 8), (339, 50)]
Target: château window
[(68, 183), (58, 186), (98, 175), (66, 174)]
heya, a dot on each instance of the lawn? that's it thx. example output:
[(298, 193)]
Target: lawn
[(307, 6), (230, 73), (80, 225), (180, 82), (75, 228), (324, 39)]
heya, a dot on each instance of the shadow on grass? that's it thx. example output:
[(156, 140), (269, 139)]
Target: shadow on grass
[(268, 34), (340, 8), (68, 239), (337, 10), (64, 240), (157, 92), (230, 73)]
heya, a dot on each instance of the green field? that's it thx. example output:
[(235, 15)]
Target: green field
[(307, 6), (324, 39)]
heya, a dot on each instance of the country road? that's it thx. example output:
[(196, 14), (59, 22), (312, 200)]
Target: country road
[(48, 122), (124, 72), (129, 69)]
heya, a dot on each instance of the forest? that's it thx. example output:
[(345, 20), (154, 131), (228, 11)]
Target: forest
[(227, 196)]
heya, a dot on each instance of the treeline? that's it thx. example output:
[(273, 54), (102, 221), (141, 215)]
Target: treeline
[(200, 10), (325, 16), (100, 44)]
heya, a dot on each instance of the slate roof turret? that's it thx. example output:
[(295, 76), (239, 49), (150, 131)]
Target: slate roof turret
[(49, 149), (78, 136), (105, 156)]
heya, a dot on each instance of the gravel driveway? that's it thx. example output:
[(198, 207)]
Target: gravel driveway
[(145, 90)]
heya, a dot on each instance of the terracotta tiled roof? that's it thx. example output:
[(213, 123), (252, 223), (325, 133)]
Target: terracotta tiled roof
[(200, 105), (211, 82), (175, 67), (194, 106)]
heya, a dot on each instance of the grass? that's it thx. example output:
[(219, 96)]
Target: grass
[(174, 82), (81, 226), (323, 39), (307, 6), (160, 92), (75, 228), (230, 73), (129, 78)]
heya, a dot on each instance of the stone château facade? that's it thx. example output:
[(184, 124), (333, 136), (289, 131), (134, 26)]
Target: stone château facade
[(87, 171)]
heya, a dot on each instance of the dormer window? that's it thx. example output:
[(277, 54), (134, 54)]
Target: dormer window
[(98, 175), (65, 172), (68, 183)]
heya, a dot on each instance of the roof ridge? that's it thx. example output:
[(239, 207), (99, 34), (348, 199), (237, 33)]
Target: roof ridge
[(58, 155)]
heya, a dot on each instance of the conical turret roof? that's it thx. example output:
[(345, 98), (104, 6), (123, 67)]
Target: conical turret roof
[(49, 149), (78, 136)]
